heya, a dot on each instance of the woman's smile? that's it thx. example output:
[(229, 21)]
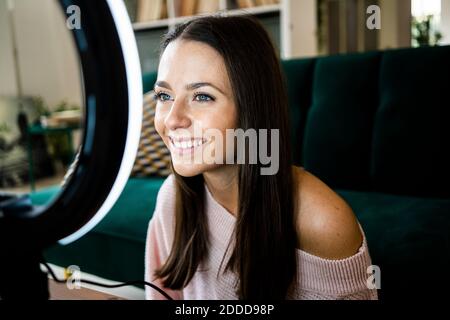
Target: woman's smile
[(185, 145)]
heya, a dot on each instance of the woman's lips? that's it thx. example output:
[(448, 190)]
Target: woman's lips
[(186, 145)]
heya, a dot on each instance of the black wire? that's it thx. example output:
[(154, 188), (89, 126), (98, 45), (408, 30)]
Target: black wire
[(124, 284)]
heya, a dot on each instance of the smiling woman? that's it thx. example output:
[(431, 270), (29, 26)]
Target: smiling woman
[(221, 229), (197, 96)]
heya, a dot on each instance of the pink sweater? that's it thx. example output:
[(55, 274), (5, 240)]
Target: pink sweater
[(318, 278)]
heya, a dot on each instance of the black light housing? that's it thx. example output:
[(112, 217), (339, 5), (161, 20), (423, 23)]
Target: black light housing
[(113, 115)]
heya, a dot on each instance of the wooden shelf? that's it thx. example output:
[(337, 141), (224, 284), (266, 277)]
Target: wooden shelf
[(292, 22), (170, 22)]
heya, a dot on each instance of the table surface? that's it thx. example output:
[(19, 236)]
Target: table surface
[(59, 291)]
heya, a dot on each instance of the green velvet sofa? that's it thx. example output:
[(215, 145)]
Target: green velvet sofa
[(376, 128)]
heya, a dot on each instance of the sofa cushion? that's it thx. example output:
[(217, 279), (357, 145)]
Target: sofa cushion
[(133, 210), (412, 131), (114, 249), (300, 74), (408, 239), (338, 131)]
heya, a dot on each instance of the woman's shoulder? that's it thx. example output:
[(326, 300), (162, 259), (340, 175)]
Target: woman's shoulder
[(326, 225)]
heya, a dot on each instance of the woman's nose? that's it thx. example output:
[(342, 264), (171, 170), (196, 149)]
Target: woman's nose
[(177, 116)]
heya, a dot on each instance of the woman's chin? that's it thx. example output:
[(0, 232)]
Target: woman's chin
[(191, 170)]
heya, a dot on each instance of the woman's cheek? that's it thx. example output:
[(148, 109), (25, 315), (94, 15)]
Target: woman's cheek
[(159, 124)]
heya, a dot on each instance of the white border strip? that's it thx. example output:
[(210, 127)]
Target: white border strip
[(135, 98)]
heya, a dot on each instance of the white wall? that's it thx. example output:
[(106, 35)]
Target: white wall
[(7, 74), (299, 28), (395, 24), (445, 21), (48, 61)]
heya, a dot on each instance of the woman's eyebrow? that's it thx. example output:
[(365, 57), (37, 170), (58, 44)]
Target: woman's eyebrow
[(191, 86), (198, 85), (163, 84)]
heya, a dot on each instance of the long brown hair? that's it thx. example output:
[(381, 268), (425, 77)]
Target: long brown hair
[(264, 255)]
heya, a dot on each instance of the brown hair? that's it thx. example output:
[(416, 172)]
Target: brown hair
[(264, 255)]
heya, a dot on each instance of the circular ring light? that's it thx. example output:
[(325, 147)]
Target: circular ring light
[(113, 101)]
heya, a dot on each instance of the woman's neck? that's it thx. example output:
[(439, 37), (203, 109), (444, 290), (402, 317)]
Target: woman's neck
[(223, 185)]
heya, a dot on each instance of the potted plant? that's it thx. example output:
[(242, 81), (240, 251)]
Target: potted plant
[(4, 129), (58, 144), (423, 32)]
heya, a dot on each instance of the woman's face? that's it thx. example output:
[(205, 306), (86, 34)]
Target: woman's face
[(195, 105)]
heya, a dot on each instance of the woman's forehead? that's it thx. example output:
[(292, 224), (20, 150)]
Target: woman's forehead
[(185, 62)]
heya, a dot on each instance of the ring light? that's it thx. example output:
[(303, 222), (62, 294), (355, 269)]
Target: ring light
[(134, 84), (113, 115)]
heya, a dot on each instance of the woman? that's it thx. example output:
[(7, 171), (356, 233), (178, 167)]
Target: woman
[(221, 229)]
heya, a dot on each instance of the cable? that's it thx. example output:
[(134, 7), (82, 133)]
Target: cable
[(124, 284)]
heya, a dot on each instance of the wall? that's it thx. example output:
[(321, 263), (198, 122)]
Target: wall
[(395, 24), (48, 61), (299, 29), (445, 21), (7, 74)]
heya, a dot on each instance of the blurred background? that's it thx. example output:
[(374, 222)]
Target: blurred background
[(42, 108), (304, 28), (41, 96), (41, 93)]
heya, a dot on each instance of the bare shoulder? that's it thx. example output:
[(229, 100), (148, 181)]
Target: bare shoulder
[(326, 225)]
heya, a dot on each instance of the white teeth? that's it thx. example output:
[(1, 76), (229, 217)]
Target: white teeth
[(188, 144)]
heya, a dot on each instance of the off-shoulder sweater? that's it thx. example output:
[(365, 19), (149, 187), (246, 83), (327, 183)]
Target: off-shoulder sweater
[(318, 278)]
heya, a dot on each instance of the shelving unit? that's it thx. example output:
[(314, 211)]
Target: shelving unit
[(292, 25), (173, 21)]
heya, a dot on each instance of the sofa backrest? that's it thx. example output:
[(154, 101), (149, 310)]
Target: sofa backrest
[(377, 121)]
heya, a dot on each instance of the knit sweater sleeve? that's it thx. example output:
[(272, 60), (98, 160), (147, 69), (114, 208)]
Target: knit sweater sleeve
[(318, 278), (345, 279), (159, 240)]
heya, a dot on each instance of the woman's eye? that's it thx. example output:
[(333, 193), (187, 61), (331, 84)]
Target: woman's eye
[(162, 97), (203, 97)]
